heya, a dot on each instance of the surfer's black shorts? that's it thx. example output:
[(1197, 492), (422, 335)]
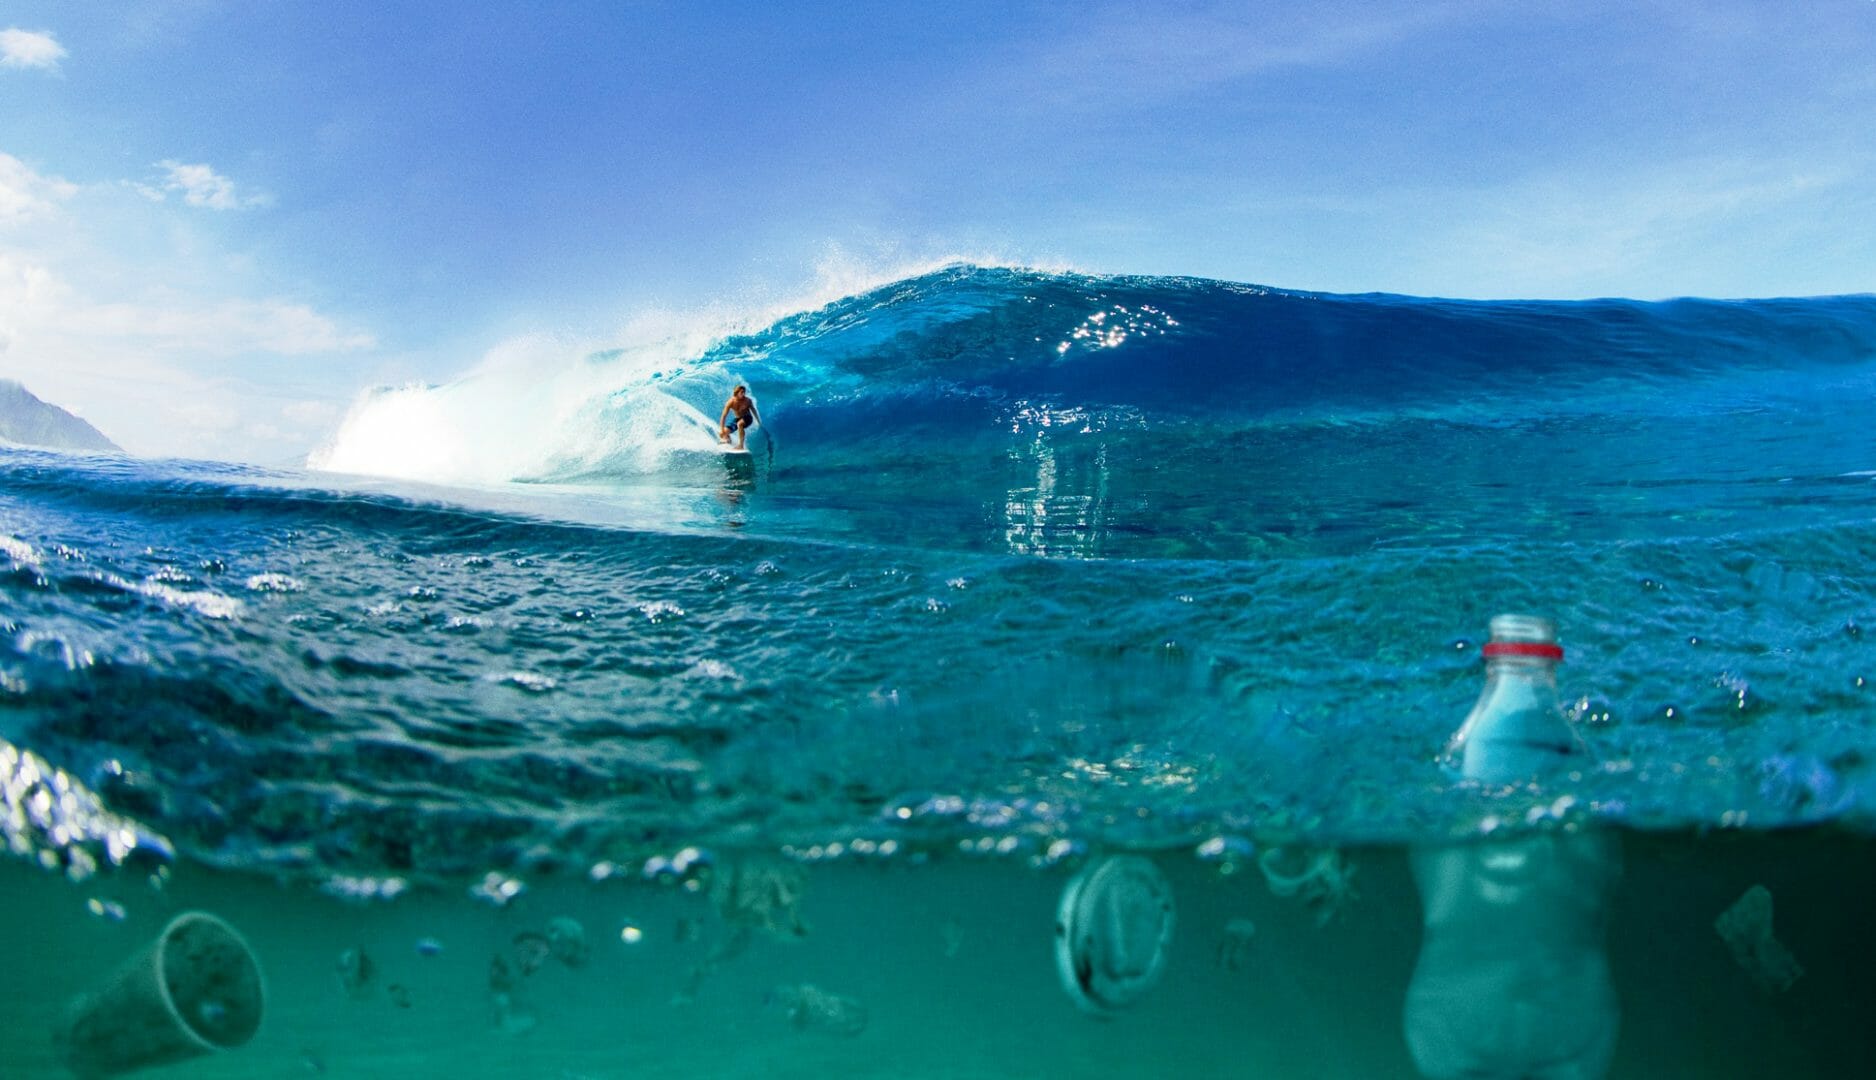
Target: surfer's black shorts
[(738, 422)]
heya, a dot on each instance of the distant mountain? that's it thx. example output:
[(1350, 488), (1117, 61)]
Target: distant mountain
[(26, 420)]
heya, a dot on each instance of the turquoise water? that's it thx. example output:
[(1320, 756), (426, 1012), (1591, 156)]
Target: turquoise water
[(1023, 569)]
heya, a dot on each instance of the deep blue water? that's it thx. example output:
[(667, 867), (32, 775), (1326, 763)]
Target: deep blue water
[(1018, 557)]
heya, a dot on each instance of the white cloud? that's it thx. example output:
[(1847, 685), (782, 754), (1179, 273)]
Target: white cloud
[(201, 185), (30, 49), (138, 318), (25, 194)]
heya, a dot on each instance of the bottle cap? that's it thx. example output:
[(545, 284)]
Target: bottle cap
[(1543, 649), (1523, 635)]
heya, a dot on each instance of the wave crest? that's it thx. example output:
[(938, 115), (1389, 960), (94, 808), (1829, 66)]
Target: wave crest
[(951, 356)]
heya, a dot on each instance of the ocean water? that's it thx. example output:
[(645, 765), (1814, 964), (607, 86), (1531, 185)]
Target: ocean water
[(1023, 570)]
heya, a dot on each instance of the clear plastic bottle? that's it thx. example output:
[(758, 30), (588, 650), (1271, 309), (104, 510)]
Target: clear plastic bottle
[(1517, 730), (1513, 981)]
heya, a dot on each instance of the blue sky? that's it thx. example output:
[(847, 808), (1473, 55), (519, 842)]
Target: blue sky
[(220, 220)]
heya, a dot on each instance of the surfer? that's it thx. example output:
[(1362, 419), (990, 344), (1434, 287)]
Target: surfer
[(744, 407)]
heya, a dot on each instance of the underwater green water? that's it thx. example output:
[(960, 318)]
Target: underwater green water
[(951, 961)]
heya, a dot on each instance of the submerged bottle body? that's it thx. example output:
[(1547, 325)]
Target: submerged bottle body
[(1512, 981)]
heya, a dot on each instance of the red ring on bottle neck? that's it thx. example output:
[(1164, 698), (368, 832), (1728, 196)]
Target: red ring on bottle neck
[(1543, 649)]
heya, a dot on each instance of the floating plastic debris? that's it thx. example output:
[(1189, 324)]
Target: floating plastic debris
[(501, 974), (1746, 928), (809, 1008), (1322, 878), (531, 951), (1512, 979), (761, 894), (356, 971), (1234, 945), (194, 990), (513, 1017), (567, 940), (1112, 932), (952, 934)]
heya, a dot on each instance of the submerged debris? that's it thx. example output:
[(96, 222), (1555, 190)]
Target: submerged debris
[(807, 1007), (567, 939), (1746, 928), (1235, 944), (512, 1016), (761, 894), (1322, 878), (952, 934), (356, 970), (1113, 930), (501, 975), (531, 950)]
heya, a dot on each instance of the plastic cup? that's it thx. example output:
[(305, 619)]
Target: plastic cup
[(1113, 929), (195, 990)]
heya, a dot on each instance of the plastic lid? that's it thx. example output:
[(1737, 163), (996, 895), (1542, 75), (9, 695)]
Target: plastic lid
[(1523, 635)]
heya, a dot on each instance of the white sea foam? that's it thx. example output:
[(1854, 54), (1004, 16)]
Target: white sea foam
[(273, 583), (532, 407), (19, 551), (204, 602)]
